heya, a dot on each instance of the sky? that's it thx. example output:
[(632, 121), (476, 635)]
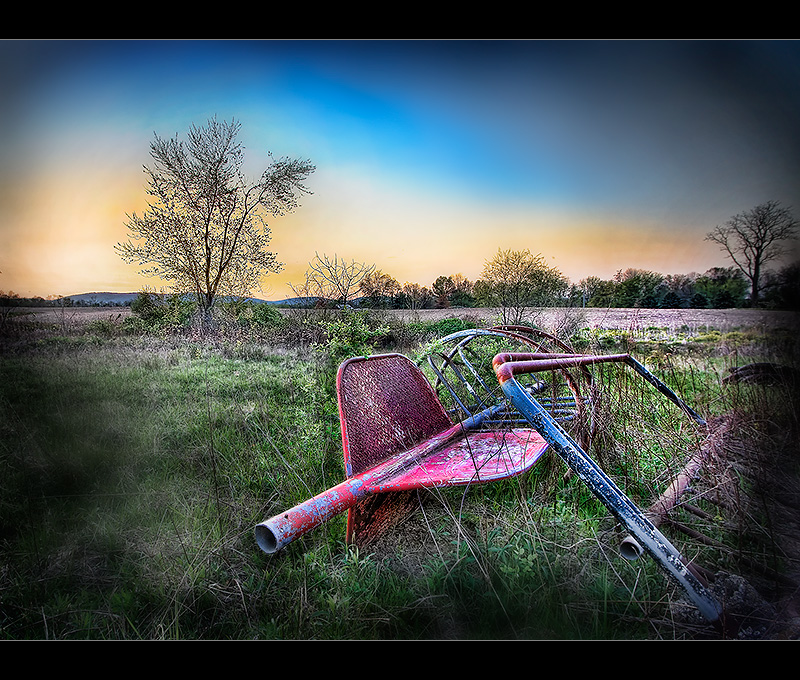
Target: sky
[(430, 155)]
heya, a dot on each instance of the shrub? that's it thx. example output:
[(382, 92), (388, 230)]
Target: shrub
[(450, 325), (103, 327), (154, 312), (348, 335), (265, 315)]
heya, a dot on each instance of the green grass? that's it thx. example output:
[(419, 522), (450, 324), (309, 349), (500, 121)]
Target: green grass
[(153, 465), (133, 469)]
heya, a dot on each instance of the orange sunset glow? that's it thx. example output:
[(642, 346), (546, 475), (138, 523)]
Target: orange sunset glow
[(430, 155)]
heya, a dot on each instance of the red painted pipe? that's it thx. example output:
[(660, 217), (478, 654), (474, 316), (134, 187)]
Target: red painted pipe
[(280, 530), (275, 533), (507, 365)]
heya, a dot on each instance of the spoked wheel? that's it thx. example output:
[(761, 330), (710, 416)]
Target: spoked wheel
[(461, 371)]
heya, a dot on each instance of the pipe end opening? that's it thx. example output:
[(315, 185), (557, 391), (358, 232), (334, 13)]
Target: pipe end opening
[(630, 549), (266, 539)]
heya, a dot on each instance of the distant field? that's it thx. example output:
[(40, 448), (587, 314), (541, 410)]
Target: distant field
[(71, 315), (632, 319), (620, 319)]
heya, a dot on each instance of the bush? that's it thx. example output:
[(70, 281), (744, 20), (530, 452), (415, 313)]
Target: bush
[(102, 327), (153, 312), (265, 315), (349, 335), (452, 324)]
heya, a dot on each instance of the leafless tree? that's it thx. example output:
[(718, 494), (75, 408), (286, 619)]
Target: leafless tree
[(755, 237), (379, 288), (204, 230), (442, 289), (335, 279), (415, 296)]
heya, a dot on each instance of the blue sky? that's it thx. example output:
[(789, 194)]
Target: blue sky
[(430, 155)]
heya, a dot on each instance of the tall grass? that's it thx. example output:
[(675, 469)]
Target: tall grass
[(135, 465)]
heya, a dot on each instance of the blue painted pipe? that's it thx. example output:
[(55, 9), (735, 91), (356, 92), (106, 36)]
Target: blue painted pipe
[(604, 488)]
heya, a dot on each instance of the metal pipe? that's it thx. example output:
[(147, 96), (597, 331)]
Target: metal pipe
[(277, 532), (659, 510), (642, 529)]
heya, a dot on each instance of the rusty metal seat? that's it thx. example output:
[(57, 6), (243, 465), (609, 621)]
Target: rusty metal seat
[(397, 439), (391, 419)]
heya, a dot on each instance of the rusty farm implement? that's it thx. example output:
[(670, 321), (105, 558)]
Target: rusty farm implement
[(486, 413)]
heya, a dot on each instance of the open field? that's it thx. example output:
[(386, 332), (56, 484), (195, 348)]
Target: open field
[(613, 318), (630, 319), (136, 464), (69, 317)]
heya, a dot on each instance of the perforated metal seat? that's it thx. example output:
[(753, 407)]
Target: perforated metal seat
[(392, 421)]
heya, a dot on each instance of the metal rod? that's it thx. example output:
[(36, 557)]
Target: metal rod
[(278, 531), (603, 487), (509, 364)]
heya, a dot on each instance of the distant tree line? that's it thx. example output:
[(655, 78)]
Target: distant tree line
[(718, 288), (205, 232), (506, 284), (12, 299), (514, 280)]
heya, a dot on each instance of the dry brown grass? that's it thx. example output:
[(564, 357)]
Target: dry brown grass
[(616, 318), (633, 320), (70, 315)]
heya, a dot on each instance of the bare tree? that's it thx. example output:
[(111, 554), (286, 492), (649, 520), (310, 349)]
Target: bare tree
[(755, 237), (335, 279), (516, 280), (462, 295), (204, 230), (442, 289), (415, 296)]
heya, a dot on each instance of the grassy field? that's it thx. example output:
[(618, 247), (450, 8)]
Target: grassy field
[(136, 464)]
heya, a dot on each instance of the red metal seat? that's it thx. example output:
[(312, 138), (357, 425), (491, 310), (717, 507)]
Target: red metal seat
[(392, 422), (397, 439)]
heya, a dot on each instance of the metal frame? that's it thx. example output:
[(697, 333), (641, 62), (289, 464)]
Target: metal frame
[(508, 366), (483, 394)]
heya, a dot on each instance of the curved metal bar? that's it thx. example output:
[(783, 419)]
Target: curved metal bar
[(509, 364), (521, 334), (440, 379)]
